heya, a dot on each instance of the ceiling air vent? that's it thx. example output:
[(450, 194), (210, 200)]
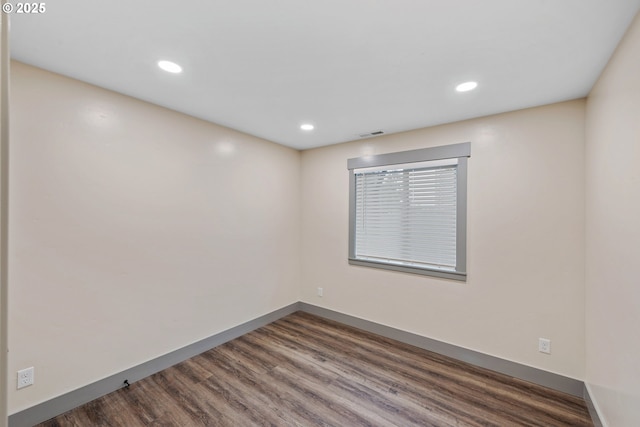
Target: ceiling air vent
[(367, 135)]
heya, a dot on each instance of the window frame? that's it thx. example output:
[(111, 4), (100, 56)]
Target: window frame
[(455, 151)]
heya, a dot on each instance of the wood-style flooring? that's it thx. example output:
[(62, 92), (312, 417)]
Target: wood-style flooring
[(303, 370)]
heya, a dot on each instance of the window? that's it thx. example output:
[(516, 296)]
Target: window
[(407, 211)]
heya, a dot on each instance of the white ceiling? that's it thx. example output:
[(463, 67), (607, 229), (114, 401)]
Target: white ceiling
[(347, 66)]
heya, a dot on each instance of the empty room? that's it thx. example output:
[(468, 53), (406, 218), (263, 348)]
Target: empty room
[(320, 213)]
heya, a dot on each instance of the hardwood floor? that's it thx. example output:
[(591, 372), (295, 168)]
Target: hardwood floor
[(307, 371)]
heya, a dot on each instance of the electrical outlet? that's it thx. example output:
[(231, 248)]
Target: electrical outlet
[(25, 377), (544, 345), (320, 292)]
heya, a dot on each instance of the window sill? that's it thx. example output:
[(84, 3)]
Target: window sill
[(462, 277)]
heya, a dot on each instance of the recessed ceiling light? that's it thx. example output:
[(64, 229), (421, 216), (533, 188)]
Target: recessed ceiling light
[(467, 86), (307, 126), (170, 67)]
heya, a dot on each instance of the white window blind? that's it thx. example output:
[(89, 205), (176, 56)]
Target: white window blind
[(406, 214)]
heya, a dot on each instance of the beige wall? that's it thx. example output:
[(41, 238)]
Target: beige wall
[(613, 236), (135, 231), (525, 240)]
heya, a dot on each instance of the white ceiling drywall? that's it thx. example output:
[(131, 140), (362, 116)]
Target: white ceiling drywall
[(347, 66)]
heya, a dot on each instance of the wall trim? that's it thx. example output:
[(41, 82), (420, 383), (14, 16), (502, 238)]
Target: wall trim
[(503, 366), (61, 404), (4, 211), (593, 407)]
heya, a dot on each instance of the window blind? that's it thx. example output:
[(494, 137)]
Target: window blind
[(406, 215)]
